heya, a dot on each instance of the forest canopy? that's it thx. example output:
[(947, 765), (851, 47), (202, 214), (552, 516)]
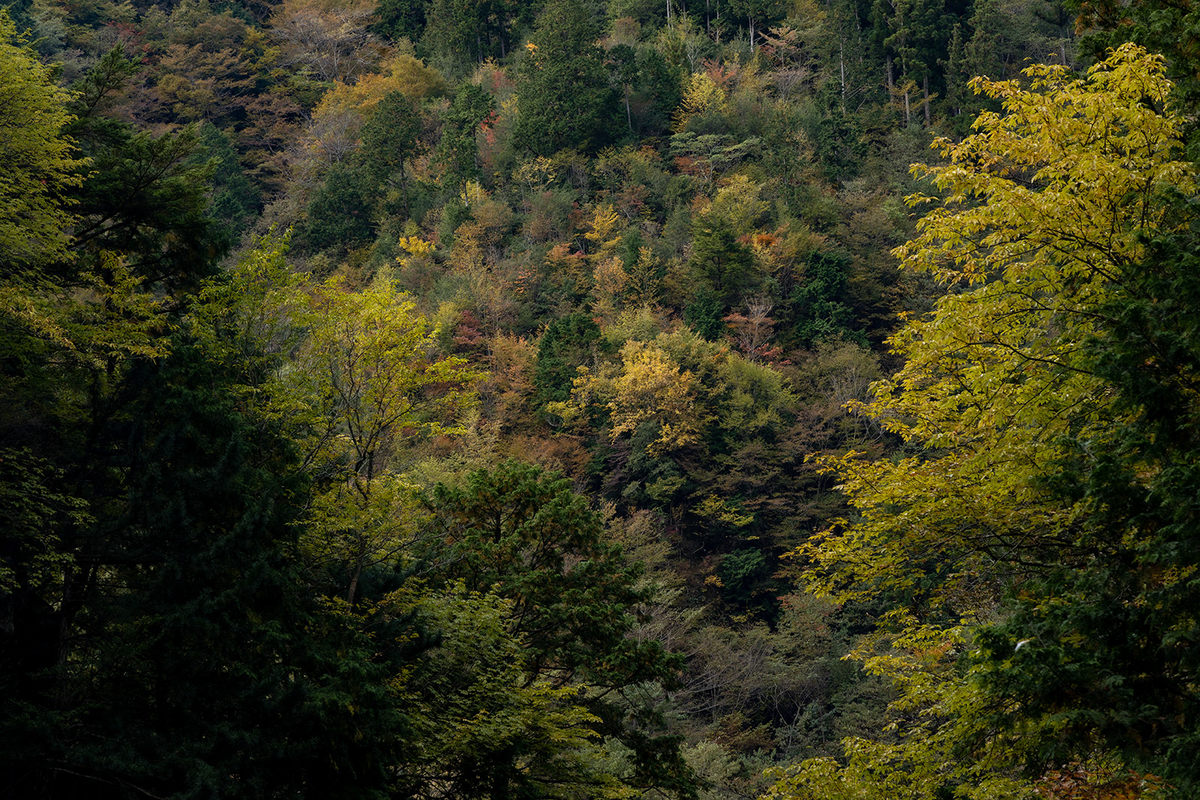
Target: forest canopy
[(443, 399)]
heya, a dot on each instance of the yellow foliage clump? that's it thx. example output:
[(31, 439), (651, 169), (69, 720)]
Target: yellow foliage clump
[(700, 94), (652, 387)]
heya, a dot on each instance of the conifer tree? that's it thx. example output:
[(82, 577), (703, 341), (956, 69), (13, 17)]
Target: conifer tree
[(566, 98)]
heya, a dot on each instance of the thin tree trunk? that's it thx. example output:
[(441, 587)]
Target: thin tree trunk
[(842, 68)]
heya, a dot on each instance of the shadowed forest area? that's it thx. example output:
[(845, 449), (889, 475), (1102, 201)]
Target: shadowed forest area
[(465, 399)]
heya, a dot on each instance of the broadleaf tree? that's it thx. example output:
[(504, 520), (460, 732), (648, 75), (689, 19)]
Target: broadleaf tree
[(1042, 213), (37, 162)]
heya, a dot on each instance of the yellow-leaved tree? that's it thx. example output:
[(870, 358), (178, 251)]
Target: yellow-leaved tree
[(353, 377), (37, 163), (1040, 211), (648, 388), (1042, 206)]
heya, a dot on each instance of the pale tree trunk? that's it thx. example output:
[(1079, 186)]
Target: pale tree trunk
[(842, 68), (927, 118)]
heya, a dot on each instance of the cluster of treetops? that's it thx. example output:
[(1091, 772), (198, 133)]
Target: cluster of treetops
[(497, 399)]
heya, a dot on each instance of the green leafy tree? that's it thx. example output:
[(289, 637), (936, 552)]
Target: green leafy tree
[(398, 19), (457, 151), (477, 713), (391, 136), (356, 378), (569, 342), (918, 37), (528, 534), (657, 90), (759, 15), (234, 202), (462, 33), (706, 314), (623, 62), (724, 264), (339, 211), (369, 379), (819, 304)]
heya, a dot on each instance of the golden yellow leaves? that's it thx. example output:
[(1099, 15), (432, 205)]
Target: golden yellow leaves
[(700, 94), (415, 247), (651, 386), (1067, 175), (1043, 207), (647, 387)]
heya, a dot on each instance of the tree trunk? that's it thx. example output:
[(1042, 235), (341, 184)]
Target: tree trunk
[(842, 68), (926, 86)]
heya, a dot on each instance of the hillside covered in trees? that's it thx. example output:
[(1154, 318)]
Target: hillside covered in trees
[(517, 400)]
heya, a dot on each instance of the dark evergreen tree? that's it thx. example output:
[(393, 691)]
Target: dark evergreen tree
[(819, 307), (657, 91), (389, 138), (339, 212), (233, 201), (1172, 29), (706, 314), (461, 33), (1106, 640), (523, 533), (569, 342), (725, 265), (758, 15), (179, 655), (457, 151), (567, 100), (400, 19)]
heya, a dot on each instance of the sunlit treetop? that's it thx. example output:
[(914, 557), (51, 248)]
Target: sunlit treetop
[(1040, 208), (37, 164)]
